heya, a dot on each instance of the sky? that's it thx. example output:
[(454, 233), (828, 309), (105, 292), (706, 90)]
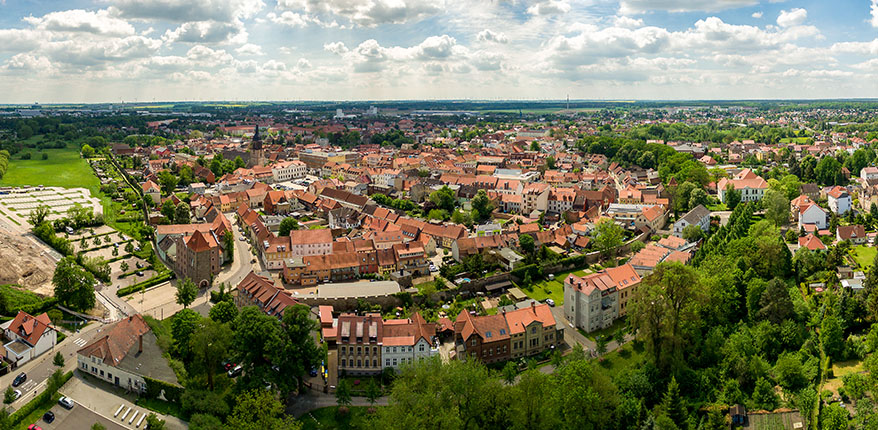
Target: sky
[(82, 51)]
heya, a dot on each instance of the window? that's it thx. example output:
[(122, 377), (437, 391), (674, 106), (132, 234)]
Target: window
[(374, 363), (359, 350), (421, 348), (102, 373), (359, 363), (533, 330), (474, 342), (343, 362), (342, 349)]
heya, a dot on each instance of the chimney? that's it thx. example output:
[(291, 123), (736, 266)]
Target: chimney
[(139, 344)]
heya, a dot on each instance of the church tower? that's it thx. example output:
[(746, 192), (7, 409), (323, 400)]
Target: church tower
[(257, 154)]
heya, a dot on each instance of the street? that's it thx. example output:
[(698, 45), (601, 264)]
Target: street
[(39, 369)]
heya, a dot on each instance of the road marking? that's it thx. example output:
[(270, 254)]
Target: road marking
[(80, 342)]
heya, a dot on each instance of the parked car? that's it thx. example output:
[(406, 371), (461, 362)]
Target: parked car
[(19, 379), (228, 365), (139, 265), (139, 273), (34, 427), (236, 371), (49, 416), (313, 371), (16, 394), (66, 402), (550, 302)]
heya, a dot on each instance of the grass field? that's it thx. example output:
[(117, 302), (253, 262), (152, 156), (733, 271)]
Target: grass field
[(16, 298), (630, 355), (64, 168), (325, 418), (553, 289), (839, 370), (865, 255)]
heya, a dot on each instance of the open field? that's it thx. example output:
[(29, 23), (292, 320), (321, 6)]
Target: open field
[(553, 289), (64, 168), (865, 255)]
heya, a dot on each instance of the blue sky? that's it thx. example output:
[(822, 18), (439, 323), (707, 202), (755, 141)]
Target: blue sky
[(145, 50)]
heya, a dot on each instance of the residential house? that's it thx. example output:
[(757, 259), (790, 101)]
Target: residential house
[(854, 233), (751, 186), (532, 330), (698, 216), (29, 337), (359, 344), (484, 338), (594, 301), (839, 200), (153, 191), (310, 242), (408, 341)]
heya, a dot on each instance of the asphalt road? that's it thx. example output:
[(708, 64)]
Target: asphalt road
[(41, 368)]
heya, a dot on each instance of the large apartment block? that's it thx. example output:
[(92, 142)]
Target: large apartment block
[(594, 301)]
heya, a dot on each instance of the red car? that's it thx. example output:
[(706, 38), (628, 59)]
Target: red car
[(34, 427)]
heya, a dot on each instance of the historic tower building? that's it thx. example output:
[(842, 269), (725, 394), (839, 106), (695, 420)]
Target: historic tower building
[(257, 154)]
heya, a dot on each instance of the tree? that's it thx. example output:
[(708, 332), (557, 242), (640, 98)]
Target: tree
[(833, 417), (526, 242), (482, 206), (98, 426), (58, 360), (74, 286), (205, 422), (295, 351), (828, 171), (764, 396), (88, 151), (510, 372), (186, 292), (38, 215), (732, 197), (239, 162), (777, 207), (168, 210), (698, 197), (257, 337), (182, 214), (259, 410), (608, 237), (373, 392), (693, 233), (124, 266), (601, 345), (154, 423), (673, 405), (636, 246), (183, 326), (288, 224), (444, 198), (167, 181), (129, 247), (683, 195), (663, 307), (343, 393), (550, 162), (9, 395), (209, 344), (223, 312), (535, 146), (832, 337), (775, 302), (463, 218), (229, 246)]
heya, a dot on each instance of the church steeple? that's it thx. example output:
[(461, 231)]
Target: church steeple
[(257, 140)]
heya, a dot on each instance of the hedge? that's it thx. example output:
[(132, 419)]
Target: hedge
[(38, 401), (151, 282), (154, 388), (38, 308)]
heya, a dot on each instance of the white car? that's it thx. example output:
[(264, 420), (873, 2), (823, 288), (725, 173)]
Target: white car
[(16, 394), (66, 402)]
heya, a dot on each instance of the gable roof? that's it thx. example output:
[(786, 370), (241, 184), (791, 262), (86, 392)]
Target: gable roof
[(114, 346), (30, 328)]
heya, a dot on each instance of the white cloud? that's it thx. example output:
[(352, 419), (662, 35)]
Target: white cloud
[(757, 15), (79, 20), (367, 13), (874, 11), (628, 7), (549, 7), (297, 20), (862, 48), (187, 10), (208, 32), (18, 40), (487, 35), (627, 22), (793, 17), (250, 49), (337, 48)]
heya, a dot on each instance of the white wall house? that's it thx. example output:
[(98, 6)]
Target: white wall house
[(812, 214), (29, 337), (699, 216), (839, 200)]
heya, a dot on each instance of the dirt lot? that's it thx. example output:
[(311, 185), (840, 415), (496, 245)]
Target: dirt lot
[(24, 263)]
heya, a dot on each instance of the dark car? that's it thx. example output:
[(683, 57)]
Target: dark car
[(314, 371), (19, 379), (49, 416)]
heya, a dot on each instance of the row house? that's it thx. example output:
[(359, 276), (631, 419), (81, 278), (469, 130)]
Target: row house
[(259, 291), (535, 198), (561, 199), (508, 335), (288, 170)]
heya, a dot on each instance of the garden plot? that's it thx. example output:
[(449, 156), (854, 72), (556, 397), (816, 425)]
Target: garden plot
[(17, 204)]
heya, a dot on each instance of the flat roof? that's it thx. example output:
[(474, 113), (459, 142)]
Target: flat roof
[(357, 289)]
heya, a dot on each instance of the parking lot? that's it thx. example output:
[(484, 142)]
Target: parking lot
[(17, 203), (77, 418)]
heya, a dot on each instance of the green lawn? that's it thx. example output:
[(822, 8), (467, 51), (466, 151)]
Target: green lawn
[(631, 355), (16, 298), (325, 418), (608, 332), (553, 289), (865, 255), (64, 168)]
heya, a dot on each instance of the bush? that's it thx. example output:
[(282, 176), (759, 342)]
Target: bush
[(45, 156), (144, 285), (154, 388), (26, 156)]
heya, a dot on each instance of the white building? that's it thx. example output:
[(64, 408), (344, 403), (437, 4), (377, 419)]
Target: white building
[(310, 242), (288, 170), (407, 341), (751, 186), (593, 302), (125, 356), (811, 214), (29, 337), (839, 200)]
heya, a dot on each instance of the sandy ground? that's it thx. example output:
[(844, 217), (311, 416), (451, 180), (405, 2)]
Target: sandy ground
[(25, 263)]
